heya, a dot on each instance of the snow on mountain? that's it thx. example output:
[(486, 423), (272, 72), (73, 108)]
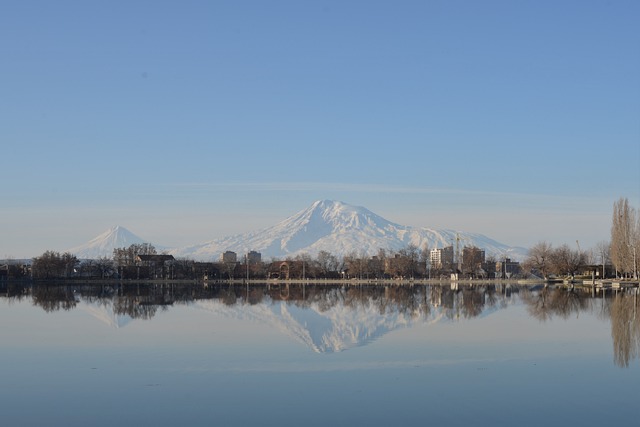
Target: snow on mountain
[(323, 330), (104, 244), (326, 225), (340, 228)]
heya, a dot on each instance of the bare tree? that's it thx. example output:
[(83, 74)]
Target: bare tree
[(357, 265), (378, 263), (425, 259), (52, 265), (565, 261), (409, 260), (70, 262), (104, 266), (539, 258), (46, 266), (327, 263), (308, 265), (603, 255)]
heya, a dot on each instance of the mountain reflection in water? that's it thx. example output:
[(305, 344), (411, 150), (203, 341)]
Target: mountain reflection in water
[(330, 318)]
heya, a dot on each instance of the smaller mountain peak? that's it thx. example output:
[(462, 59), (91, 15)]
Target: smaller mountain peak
[(103, 245)]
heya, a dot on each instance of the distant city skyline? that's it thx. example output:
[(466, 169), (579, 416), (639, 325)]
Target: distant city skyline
[(195, 121)]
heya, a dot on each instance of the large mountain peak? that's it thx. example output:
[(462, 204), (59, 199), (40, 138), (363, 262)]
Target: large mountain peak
[(335, 227), (333, 216)]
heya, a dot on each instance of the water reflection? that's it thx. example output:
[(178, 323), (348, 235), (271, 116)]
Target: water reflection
[(334, 318), (547, 302), (625, 329)]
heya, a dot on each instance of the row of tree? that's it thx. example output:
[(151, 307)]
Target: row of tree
[(546, 260), (622, 252), (409, 262)]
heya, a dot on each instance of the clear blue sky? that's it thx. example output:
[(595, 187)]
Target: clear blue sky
[(187, 121)]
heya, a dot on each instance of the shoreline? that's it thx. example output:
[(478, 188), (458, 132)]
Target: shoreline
[(576, 283)]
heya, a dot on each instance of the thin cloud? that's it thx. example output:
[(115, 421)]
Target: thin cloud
[(326, 186), (339, 187)]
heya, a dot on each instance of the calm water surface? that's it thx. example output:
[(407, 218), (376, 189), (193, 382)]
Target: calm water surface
[(317, 356)]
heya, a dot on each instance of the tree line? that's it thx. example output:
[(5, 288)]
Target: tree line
[(410, 262), (621, 252), (545, 260)]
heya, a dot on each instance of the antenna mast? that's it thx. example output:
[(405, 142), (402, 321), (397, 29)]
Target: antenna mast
[(458, 252)]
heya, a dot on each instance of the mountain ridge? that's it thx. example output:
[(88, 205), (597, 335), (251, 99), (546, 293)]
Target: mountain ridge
[(326, 225)]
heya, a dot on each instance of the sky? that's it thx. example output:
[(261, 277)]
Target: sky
[(193, 120)]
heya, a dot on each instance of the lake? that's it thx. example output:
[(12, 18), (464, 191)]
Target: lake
[(317, 355)]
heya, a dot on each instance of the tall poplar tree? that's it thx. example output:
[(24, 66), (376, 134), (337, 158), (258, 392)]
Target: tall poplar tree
[(625, 237)]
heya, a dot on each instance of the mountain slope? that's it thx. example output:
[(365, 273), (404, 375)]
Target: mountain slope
[(340, 229), (105, 243)]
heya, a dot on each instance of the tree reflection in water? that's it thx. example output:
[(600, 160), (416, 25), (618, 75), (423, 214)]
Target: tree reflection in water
[(544, 303), (625, 329), (141, 301), (54, 298)]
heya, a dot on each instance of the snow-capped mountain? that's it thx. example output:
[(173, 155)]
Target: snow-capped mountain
[(104, 244), (330, 328), (106, 313), (336, 329), (340, 228), (326, 225)]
